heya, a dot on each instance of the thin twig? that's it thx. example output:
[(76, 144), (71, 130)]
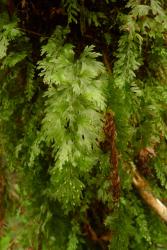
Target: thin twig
[(33, 32)]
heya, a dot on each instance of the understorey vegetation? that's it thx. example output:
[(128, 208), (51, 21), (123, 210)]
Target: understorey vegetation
[(83, 125)]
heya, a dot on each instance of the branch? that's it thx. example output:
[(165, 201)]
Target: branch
[(138, 181), (145, 192)]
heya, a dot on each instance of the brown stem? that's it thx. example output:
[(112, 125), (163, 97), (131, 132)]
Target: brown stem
[(110, 134), (106, 60)]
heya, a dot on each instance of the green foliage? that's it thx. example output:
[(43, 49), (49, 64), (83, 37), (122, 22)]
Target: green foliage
[(75, 90), (72, 9), (54, 93)]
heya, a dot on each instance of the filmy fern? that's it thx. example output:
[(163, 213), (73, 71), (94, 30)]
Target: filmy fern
[(74, 103)]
